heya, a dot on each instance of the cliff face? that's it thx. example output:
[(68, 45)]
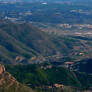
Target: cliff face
[(9, 83)]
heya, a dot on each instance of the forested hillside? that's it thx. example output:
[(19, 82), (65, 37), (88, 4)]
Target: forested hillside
[(45, 75), (20, 42)]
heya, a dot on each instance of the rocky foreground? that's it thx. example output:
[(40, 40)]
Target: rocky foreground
[(9, 83)]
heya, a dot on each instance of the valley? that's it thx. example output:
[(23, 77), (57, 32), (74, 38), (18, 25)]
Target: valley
[(46, 46)]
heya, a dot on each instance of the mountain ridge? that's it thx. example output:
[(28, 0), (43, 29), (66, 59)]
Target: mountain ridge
[(24, 43)]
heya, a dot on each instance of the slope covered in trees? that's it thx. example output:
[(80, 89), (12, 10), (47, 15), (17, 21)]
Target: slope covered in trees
[(21, 42)]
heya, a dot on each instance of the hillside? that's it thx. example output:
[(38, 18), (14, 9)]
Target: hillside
[(37, 78), (38, 75), (84, 66), (23, 40), (45, 75), (9, 83), (21, 43), (40, 79)]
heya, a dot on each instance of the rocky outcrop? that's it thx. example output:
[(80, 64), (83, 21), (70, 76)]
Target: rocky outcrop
[(9, 84), (19, 58), (2, 69)]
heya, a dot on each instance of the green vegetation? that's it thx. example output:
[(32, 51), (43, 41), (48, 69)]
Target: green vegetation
[(33, 74), (38, 76), (66, 89), (23, 40), (85, 79), (27, 41)]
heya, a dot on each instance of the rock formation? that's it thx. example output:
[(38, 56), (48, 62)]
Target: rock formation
[(2, 69)]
